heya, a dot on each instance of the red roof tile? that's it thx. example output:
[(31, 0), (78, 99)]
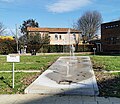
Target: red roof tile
[(35, 29)]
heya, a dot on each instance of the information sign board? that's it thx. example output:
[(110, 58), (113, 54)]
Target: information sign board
[(13, 58)]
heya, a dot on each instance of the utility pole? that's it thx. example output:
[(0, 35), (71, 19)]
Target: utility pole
[(17, 38), (69, 40)]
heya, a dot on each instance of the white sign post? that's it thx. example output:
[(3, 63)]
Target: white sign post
[(13, 59), (13, 73)]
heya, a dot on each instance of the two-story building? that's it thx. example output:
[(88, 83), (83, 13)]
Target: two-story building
[(110, 36), (58, 36)]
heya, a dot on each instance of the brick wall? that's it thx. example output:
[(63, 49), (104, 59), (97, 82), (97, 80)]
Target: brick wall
[(110, 36)]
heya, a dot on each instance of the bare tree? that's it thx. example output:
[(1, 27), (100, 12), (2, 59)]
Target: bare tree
[(89, 23), (2, 29)]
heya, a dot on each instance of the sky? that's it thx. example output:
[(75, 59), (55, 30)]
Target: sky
[(55, 13)]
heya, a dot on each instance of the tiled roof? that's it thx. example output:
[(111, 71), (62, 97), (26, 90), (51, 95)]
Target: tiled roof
[(35, 29)]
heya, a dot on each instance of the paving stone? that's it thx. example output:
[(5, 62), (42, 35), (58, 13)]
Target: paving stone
[(75, 102), (48, 100), (4, 96), (116, 103), (55, 99), (90, 102), (74, 99), (30, 98), (114, 99), (102, 102), (102, 99), (62, 101), (4, 99), (8, 99), (88, 98), (62, 98)]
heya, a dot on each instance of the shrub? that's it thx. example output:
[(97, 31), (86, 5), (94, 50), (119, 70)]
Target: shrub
[(85, 48), (46, 48), (7, 46)]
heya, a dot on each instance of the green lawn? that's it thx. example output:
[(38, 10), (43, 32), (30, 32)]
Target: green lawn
[(22, 80), (42, 62), (106, 62), (28, 62)]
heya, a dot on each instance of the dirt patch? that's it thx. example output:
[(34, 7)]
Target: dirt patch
[(28, 80), (109, 84)]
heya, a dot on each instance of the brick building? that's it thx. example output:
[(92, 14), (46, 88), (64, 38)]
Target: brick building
[(110, 36)]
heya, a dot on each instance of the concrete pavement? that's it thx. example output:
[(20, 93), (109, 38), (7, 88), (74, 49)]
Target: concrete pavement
[(55, 99), (68, 75)]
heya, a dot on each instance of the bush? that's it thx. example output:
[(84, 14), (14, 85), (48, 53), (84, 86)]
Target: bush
[(85, 48), (56, 48), (41, 48), (46, 48), (7, 46), (66, 48)]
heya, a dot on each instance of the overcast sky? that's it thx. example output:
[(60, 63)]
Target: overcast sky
[(54, 13)]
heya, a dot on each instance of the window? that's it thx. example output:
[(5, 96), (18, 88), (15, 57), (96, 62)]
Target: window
[(74, 35), (111, 26), (117, 40), (111, 40), (106, 27), (60, 37), (114, 40), (56, 36)]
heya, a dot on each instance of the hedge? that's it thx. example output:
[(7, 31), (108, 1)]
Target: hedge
[(58, 48), (66, 48), (7, 46)]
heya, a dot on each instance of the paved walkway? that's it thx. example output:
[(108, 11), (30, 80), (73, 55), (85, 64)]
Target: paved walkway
[(55, 99)]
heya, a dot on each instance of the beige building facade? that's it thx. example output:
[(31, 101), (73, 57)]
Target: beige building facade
[(58, 36)]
